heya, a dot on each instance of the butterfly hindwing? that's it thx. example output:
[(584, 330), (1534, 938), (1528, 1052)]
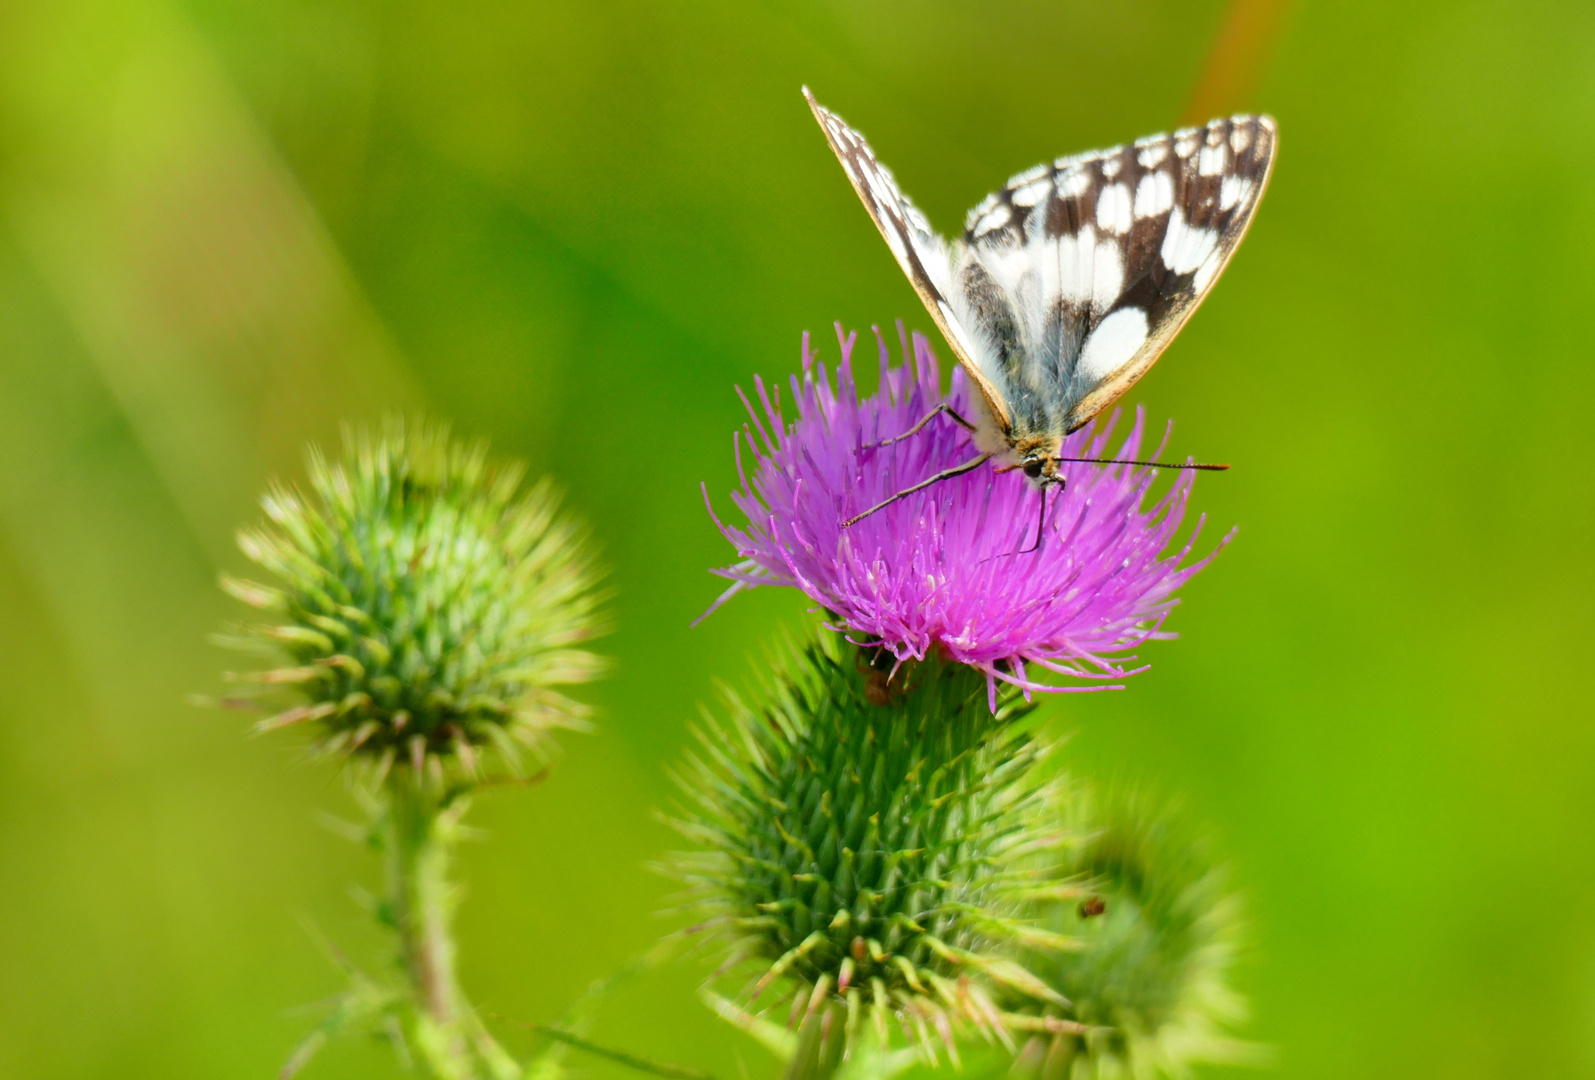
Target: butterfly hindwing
[(1073, 278)]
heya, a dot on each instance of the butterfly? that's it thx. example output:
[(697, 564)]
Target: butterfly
[(1071, 280)]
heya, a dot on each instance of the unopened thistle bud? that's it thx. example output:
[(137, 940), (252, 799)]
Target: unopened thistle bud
[(426, 606), (1158, 931), (863, 847)]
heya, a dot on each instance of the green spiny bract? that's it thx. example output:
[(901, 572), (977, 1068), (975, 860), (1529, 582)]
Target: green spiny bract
[(1159, 930), (426, 605), (866, 844)]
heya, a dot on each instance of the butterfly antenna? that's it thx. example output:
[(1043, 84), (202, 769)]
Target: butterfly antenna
[(1149, 464)]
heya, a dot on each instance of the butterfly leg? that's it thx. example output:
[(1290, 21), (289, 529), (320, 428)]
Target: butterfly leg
[(945, 474), (927, 418)]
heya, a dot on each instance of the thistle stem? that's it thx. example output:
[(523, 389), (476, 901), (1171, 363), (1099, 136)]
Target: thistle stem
[(419, 830)]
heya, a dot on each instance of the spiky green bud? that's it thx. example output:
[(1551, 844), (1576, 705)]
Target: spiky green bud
[(425, 605), (864, 845), (1158, 929)]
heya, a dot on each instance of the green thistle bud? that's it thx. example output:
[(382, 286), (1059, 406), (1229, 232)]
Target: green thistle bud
[(864, 848), (1159, 930), (426, 605)]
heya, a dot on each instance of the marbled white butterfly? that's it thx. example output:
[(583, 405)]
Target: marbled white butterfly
[(1069, 282)]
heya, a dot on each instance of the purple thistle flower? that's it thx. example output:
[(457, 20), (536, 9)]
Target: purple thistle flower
[(946, 568)]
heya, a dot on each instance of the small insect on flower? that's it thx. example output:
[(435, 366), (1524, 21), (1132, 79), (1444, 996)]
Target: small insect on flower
[(946, 571), (1070, 281), (427, 606), (879, 668)]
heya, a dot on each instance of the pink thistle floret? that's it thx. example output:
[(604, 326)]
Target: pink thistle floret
[(947, 568)]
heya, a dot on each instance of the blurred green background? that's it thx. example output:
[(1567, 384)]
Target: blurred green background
[(226, 225)]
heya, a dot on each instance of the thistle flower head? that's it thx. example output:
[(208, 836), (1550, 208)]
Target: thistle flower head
[(1158, 930), (424, 605), (947, 569), (861, 846)]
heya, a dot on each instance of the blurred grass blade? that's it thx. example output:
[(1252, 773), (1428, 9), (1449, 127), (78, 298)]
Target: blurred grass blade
[(619, 1057), (183, 253), (1238, 59)]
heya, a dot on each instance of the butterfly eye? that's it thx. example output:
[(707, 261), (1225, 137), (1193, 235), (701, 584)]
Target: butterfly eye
[(1033, 469)]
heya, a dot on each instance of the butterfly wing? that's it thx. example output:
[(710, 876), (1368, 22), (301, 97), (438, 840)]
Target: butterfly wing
[(923, 255), (1073, 279)]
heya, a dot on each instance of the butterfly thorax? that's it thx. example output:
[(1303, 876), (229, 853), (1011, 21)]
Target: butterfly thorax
[(1016, 446)]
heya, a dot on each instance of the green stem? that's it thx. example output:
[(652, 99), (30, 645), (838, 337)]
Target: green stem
[(419, 831)]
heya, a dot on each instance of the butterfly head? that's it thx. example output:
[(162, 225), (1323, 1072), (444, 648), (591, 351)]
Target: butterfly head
[(1039, 460), (1042, 470)]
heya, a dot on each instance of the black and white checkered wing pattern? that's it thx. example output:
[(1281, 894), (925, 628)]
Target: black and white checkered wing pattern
[(1072, 279), (920, 251)]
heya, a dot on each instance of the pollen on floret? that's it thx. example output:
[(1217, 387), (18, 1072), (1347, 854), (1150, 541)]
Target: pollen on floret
[(425, 606)]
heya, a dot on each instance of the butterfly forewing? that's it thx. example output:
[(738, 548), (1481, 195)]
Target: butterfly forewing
[(1074, 277), (920, 251)]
